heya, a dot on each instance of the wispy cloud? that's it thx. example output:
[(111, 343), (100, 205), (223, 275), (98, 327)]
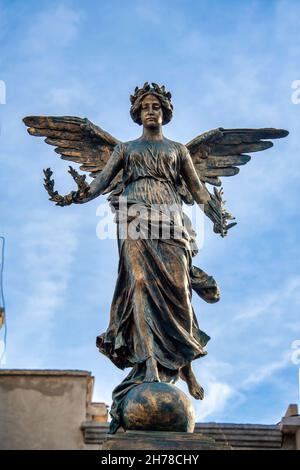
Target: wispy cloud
[(217, 396), (54, 27), (63, 98), (266, 371), (49, 250), (272, 302)]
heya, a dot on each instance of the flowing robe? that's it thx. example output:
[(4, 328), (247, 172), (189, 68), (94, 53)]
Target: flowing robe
[(151, 313)]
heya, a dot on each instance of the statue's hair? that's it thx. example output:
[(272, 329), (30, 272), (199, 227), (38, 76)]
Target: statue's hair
[(161, 94)]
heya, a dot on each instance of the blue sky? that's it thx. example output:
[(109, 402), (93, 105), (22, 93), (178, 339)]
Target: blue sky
[(227, 64)]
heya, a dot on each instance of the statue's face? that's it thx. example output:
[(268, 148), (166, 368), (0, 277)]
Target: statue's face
[(151, 112)]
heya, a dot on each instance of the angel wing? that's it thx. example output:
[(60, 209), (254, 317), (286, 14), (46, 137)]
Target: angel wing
[(220, 152), (77, 140)]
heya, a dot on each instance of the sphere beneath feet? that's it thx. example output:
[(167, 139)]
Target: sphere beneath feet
[(157, 406)]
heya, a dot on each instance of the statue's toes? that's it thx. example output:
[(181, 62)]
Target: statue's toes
[(198, 393)]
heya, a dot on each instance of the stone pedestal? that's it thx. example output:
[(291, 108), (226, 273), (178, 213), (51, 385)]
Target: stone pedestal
[(156, 440)]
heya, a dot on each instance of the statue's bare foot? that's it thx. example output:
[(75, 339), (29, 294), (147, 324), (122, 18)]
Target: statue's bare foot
[(194, 387), (151, 371)]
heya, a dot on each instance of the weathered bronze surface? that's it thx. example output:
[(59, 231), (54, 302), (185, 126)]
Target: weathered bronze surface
[(157, 406), (153, 328)]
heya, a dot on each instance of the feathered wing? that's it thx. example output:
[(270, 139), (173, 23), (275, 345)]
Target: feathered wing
[(220, 152), (77, 140)]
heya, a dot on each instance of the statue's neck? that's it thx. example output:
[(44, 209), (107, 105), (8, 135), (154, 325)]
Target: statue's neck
[(154, 134)]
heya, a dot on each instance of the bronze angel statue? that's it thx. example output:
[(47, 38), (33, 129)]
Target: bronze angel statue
[(153, 328)]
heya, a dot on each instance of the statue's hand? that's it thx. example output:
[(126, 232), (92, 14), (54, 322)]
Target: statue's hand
[(217, 213), (81, 197)]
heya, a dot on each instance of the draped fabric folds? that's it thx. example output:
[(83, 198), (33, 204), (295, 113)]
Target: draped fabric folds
[(151, 313)]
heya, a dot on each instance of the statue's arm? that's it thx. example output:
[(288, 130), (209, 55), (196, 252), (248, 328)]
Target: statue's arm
[(191, 178), (102, 181), (212, 205)]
